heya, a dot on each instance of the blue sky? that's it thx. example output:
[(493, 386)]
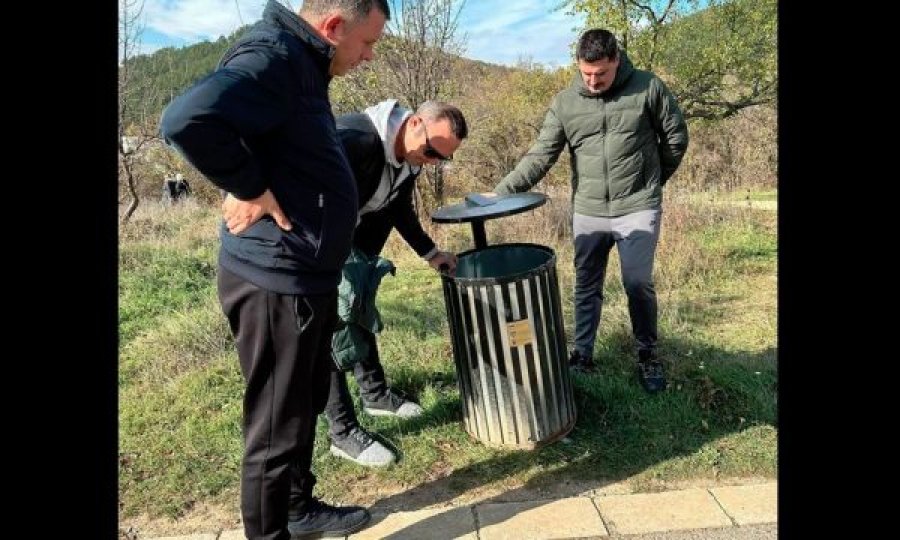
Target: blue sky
[(497, 31)]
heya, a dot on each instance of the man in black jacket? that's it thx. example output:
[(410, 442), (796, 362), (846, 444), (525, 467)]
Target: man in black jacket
[(260, 128), (387, 146)]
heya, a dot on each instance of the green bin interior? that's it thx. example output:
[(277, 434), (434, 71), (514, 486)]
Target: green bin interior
[(501, 261)]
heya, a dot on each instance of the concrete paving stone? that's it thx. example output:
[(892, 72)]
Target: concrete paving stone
[(749, 504), (764, 531), (573, 517), (202, 536), (667, 511), (686, 512), (437, 523), (233, 534)]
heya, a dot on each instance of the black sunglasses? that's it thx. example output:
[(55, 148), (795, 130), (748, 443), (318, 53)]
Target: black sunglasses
[(430, 151)]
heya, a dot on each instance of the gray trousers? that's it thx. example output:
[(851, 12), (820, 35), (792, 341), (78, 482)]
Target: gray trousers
[(636, 236)]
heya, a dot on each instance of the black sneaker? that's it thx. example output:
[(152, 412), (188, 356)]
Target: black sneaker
[(581, 362), (360, 447), (322, 520), (652, 375), (393, 404)]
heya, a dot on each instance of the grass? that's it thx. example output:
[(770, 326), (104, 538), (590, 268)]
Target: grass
[(748, 198), (180, 387)]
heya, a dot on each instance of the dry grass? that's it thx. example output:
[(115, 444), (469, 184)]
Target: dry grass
[(185, 224)]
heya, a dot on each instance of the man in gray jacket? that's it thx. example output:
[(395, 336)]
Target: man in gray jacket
[(626, 137)]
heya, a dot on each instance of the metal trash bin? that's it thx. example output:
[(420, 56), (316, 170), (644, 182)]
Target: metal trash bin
[(507, 333)]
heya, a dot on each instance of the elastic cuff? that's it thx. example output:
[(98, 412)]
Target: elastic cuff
[(431, 254)]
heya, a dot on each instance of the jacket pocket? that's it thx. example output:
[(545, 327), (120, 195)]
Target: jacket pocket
[(640, 181), (307, 220), (633, 176), (336, 233), (303, 313), (650, 168), (322, 232), (322, 243)]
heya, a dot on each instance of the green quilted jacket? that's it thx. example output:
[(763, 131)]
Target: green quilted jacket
[(360, 279), (625, 143)]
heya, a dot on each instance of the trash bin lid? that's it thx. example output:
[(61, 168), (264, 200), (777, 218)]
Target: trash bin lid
[(478, 208)]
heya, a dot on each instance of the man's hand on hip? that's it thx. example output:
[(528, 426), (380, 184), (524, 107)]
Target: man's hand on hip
[(239, 215)]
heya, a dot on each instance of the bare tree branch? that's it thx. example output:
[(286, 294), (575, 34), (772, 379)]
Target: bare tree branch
[(414, 64), (133, 136)]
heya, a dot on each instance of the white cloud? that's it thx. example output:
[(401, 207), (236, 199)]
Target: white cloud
[(197, 20), (521, 29)]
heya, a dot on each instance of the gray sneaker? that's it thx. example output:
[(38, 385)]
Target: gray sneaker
[(393, 404), (360, 447)]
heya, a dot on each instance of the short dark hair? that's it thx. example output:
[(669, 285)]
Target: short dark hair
[(597, 44), (438, 110), (354, 9)]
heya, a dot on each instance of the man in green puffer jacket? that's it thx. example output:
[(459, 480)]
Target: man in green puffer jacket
[(626, 137)]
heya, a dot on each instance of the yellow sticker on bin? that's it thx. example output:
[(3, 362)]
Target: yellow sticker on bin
[(519, 333)]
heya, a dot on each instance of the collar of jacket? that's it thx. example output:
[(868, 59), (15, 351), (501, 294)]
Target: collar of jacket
[(282, 17), (626, 68)]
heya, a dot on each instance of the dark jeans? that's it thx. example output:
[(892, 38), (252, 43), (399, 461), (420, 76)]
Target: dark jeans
[(636, 235), (370, 236), (372, 385), (284, 348)]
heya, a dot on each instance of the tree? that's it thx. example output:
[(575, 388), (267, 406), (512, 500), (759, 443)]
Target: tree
[(420, 61), (717, 60), (134, 135), (724, 59), (508, 107), (638, 24)]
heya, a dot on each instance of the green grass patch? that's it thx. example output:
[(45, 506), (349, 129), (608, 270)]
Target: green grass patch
[(740, 246), (766, 195), (180, 443), (155, 280), (181, 390)]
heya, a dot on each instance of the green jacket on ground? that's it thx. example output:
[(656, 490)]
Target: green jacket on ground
[(360, 278), (625, 143)]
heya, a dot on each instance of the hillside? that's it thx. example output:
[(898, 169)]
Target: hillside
[(162, 75)]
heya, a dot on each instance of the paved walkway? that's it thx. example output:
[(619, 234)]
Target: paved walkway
[(602, 516)]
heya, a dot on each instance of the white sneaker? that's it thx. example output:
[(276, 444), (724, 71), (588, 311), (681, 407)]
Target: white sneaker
[(360, 447), (393, 404)]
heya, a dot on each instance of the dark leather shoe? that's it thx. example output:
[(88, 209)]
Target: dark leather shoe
[(652, 375), (581, 362)]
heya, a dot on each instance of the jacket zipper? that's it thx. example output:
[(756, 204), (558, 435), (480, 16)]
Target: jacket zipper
[(605, 148)]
